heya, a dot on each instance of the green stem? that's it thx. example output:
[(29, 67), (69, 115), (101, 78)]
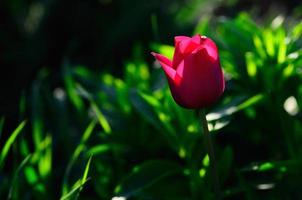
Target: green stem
[(210, 150)]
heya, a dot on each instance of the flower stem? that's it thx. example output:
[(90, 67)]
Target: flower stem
[(210, 150)]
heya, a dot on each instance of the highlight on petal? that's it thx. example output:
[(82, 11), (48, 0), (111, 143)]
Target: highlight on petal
[(196, 39), (166, 65), (180, 69), (187, 46), (184, 46), (210, 47), (178, 39)]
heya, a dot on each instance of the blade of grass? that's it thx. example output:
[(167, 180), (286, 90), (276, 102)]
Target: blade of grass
[(76, 154), (102, 120), (70, 86), (9, 142), (23, 163), (78, 187), (45, 158), (72, 192), (84, 178)]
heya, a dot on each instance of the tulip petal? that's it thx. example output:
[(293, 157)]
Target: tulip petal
[(184, 46), (178, 39), (201, 80), (180, 69), (211, 48), (166, 65), (162, 59), (187, 46), (196, 39)]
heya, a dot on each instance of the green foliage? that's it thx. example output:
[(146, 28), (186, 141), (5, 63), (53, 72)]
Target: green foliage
[(145, 175), (144, 146), (9, 143)]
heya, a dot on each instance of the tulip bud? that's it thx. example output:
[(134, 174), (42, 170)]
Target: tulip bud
[(194, 75)]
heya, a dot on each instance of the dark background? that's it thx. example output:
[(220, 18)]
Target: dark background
[(98, 34)]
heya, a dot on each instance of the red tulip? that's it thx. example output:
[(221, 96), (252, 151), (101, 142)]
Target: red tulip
[(194, 76)]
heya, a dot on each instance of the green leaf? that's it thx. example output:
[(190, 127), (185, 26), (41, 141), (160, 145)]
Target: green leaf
[(145, 109), (70, 87), (88, 132), (31, 175), (137, 75), (76, 154), (45, 157), (9, 142), (288, 70), (146, 175), (251, 101), (230, 108), (72, 194), (85, 175), (251, 64), (99, 149), (102, 120), (15, 178), (269, 42), (166, 50), (122, 95), (202, 26), (282, 46), (297, 31), (153, 112), (289, 166), (78, 186), (266, 166), (259, 46)]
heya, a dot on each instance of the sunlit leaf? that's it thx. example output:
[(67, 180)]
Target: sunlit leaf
[(76, 154), (229, 110), (78, 186), (31, 175), (269, 42), (202, 26), (70, 87), (282, 46), (45, 157), (99, 149), (259, 46), (72, 194), (166, 50), (102, 120), (251, 64), (297, 31), (9, 142), (266, 166)]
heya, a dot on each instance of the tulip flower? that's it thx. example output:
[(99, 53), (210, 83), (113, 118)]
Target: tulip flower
[(194, 75), (196, 81)]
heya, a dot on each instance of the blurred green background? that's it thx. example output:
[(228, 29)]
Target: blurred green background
[(86, 112)]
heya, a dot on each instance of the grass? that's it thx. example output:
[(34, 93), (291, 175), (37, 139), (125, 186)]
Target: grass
[(144, 146)]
